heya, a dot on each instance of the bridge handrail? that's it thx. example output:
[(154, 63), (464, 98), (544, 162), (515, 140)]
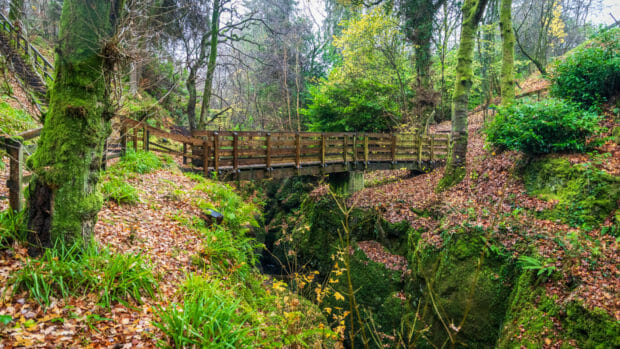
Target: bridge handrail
[(44, 69)]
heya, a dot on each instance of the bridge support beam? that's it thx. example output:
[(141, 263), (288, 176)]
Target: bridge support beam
[(346, 182)]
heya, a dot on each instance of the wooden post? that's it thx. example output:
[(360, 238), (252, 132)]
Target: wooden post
[(15, 183), (323, 149), (268, 151), (145, 138), (235, 151), (344, 148), (135, 139), (205, 156), (297, 150), (420, 140), (365, 150), (104, 155), (216, 151), (393, 150), (355, 148), (123, 139), (432, 145), (184, 152)]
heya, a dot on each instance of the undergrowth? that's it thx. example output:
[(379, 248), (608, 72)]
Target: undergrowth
[(12, 227), (114, 185), (65, 271)]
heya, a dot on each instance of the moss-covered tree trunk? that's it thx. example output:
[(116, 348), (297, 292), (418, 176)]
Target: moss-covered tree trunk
[(63, 198), (508, 52), (455, 170)]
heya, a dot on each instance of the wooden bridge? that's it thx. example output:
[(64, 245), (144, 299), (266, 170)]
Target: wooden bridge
[(246, 155)]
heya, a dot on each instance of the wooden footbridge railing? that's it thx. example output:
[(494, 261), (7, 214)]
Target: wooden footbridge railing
[(257, 154), (252, 155)]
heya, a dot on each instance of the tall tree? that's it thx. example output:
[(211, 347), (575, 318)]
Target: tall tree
[(213, 43), (419, 16), (455, 170), (508, 53), (64, 200)]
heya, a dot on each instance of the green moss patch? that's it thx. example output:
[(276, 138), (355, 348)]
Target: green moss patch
[(585, 195), (441, 288)]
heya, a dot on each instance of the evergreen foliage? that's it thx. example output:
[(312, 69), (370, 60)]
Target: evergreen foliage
[(591, 73), (551, 125)]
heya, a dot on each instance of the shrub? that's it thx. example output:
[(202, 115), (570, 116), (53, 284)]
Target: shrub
[(590, 74), (64, 271), (551, 125), (210, 317)]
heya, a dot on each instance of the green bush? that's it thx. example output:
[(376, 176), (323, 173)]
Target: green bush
[(210, 317), (64, 271), (590, 74), (551, 125)]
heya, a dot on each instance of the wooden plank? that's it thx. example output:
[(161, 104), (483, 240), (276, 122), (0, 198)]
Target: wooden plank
[(393, 150), (30, 134)]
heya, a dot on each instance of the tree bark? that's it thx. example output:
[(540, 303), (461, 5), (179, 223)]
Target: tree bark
[(64, 200), (508, 53), (207, 93), (455, 169)]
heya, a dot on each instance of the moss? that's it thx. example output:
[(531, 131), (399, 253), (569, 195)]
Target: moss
[(441, 286), (453, 175), (14, 120), (586, 196), (591, 328), (376, 289), (530, 321)]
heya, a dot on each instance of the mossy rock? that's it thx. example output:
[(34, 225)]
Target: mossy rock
[(442, 283), (529, 321), (376, 293), (586, 195)]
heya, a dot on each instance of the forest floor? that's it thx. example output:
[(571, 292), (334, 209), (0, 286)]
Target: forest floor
[(148, 228)]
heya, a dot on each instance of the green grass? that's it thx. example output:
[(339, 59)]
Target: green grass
[(13, 121), (12, 227), (114, 184), (210, 317), (65, 271), (118, 190)]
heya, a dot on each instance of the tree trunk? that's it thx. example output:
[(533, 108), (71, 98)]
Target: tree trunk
[(455, 170), (508, 53), (63, 200), (190, 83), (215, 32)]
